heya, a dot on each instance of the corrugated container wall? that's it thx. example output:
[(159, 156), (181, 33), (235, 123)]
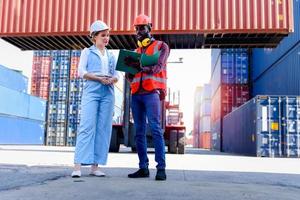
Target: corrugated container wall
[(196, 119), (264, 59), (75, 92), (16, 130), (205, 101), (282, 78), (58, 98), (229, 86), (22, 105), (185, 16), (64, 94), (230, 67), (265, 126), (205, 109), (40, 76), (22, 117), (202, 111), (205, 140), (12, 79)]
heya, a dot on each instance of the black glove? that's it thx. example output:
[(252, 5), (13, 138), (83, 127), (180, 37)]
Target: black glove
[(130, 61), (162, 94), (129, 77)]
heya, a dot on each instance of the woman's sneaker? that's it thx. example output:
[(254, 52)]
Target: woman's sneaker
[(76, 174), (97, 173)]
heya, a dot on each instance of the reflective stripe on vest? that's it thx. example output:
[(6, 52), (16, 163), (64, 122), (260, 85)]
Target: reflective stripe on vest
[(161, 80), (153, 81)]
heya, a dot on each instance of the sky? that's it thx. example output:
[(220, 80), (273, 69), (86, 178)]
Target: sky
[(184, 77)]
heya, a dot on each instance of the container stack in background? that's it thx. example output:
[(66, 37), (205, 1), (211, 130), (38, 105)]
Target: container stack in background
[(272, 119), (22, 116), (229, 87), (205, 118), (196, 117), (58, 98), (64, 95), (40, 76), (75, 91)]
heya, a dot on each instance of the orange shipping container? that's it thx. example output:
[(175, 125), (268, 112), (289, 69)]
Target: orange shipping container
[(205, 140), (61, 18)]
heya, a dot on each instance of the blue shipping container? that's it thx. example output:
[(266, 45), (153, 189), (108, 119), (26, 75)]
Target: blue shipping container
[(37, 108), (13, 102), (21, 104), (205, 109), (282, 78), (13, 80), (15, 130), (215, 54), (232, 67), (264, 59), (206, 94), (290, 121), (262, 127), (216, 136)]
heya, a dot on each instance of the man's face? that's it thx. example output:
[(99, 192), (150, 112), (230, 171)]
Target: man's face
[(142, 32)]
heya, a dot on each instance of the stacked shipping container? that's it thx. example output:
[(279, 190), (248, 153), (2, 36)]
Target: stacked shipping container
[(276, 71), (13, 79), (205, 118), (196, 122), (266, 126), (58, 98), (40, 76), (185, 23), (22, 117), (229, 86), (202, 118), (65, 89), (75, 91)]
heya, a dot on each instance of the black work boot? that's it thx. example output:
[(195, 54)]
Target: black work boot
[(141, 173), (161, 175)]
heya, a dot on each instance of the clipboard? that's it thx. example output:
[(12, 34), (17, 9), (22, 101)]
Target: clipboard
[(121, 66)]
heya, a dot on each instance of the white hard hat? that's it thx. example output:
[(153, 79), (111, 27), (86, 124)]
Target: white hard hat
[(98, 26)]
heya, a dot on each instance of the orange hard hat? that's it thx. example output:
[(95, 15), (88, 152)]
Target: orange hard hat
[(142, 20)]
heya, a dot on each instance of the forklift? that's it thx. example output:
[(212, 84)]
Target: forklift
[(172, 125)]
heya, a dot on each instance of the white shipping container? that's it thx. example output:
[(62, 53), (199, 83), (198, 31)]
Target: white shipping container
[(205, 108), (205, 124)]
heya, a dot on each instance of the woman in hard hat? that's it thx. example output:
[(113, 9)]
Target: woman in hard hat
[(97, 67)]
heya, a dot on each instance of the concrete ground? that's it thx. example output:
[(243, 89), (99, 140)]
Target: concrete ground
[(38, 172)]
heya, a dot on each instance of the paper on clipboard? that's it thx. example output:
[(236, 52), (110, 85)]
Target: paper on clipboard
[(121, 66)]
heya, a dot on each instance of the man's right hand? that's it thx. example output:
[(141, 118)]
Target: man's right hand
[(130, 61)]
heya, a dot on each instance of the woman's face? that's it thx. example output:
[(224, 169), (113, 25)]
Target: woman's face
[(102, 38)]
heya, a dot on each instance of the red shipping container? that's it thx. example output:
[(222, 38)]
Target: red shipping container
[(228, 97), (66, 17), (56, 18)]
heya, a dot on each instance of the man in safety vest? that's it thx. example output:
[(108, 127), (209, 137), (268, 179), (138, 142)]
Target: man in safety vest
[(148, 87)]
